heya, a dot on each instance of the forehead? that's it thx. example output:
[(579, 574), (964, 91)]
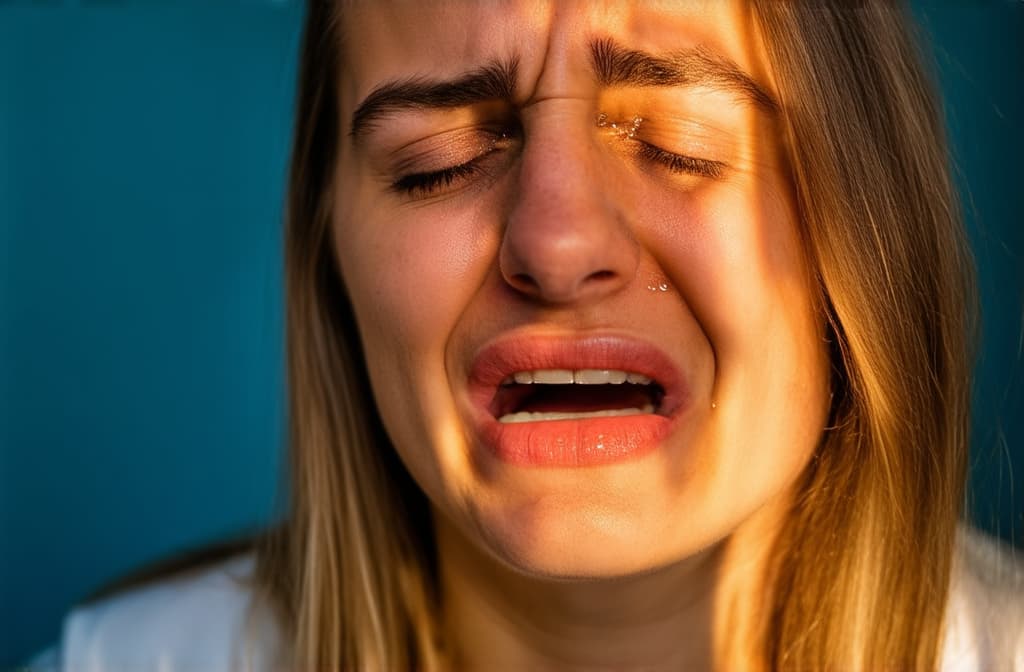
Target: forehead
[(388, 41)]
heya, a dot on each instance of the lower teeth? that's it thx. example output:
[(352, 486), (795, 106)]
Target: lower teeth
[(526, 416)]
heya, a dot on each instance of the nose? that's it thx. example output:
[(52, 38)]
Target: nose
[(565, 239)]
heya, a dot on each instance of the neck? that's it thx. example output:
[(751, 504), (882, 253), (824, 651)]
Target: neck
[(699, 613)]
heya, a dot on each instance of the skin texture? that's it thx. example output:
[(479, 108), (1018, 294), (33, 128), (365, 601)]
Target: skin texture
[(566, 231)]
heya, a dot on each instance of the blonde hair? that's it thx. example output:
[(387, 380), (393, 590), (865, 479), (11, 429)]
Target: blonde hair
[(860, 572)]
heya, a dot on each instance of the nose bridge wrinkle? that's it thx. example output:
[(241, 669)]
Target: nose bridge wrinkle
[(565, 239), (558, 166)]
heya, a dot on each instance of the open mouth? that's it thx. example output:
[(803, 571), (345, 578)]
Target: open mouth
[(564, 394), (573, 401)]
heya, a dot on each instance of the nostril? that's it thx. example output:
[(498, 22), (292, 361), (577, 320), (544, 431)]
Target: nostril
[(525, 281), (601, 275), (557, 286)]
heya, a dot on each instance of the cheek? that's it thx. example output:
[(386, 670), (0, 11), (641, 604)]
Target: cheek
[(409, 279), (737, 260), (735, 256), (409, 275)]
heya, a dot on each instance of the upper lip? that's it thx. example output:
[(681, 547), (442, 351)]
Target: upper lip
[(506, 355)]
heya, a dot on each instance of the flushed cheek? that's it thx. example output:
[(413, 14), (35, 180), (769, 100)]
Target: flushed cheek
[(414, 267), (733, 253), (411, 272)]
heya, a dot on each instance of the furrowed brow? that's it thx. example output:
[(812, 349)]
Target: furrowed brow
[(616, 65), (496, 81)]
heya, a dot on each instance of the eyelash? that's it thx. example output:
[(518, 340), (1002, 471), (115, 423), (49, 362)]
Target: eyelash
[(426, 184), (679, 163), (421, 185)]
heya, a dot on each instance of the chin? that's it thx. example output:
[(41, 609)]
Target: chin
[(579, 540)]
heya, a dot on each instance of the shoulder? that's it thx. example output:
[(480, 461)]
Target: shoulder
[(205, 619), (985, 616)]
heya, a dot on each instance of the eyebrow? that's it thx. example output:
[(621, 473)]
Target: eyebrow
[(613, 64), (495, 81), (616, 65)]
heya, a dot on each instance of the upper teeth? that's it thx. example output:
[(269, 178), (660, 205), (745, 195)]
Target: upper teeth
[(579, 377), (526, 416)]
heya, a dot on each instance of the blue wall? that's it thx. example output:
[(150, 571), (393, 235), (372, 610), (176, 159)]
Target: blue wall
[(979, 50), (143, 150)]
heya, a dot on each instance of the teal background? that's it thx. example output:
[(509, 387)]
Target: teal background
[(143, 149)]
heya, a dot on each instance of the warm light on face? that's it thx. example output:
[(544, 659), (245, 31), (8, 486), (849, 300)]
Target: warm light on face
[(571, 246)]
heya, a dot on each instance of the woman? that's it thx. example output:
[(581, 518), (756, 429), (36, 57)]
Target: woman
[(621, 336)]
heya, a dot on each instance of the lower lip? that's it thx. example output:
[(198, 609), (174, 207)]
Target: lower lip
[(576, 443)]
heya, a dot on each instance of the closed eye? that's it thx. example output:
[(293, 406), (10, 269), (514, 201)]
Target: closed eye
[(430, 182), (679, 163), (425, 184)]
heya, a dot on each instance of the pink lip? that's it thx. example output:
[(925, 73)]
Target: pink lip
[(573, 443)]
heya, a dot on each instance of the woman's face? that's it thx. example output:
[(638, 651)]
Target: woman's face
[(570, 242)]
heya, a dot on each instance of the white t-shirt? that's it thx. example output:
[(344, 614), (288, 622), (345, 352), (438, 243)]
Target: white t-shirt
[(199, 621), (206, 621)]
